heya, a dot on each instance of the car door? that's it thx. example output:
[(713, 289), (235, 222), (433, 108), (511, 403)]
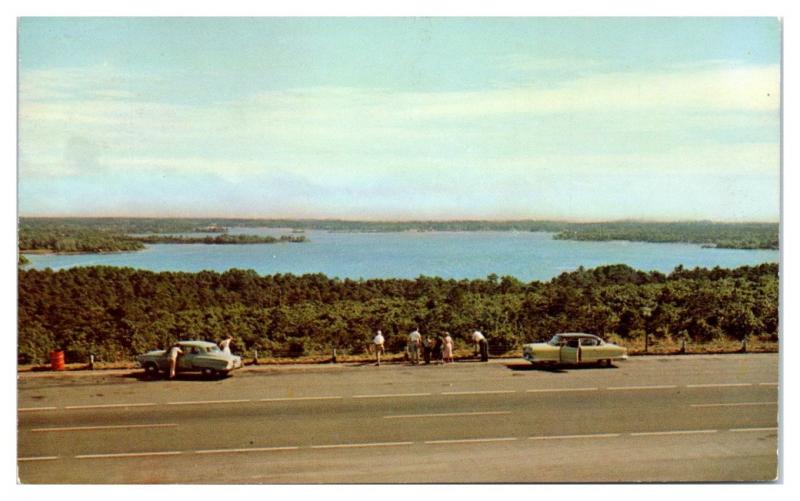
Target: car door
[(590, 350), (570, 352), (186, 360)]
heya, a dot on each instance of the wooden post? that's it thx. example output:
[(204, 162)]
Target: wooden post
[(646, 312)]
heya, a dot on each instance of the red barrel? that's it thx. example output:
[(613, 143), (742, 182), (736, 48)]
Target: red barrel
[(57, 360)]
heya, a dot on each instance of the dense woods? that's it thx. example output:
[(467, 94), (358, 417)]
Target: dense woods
[(125, 234), (65, 240), (116, 313), (121, 235), (727, 235)]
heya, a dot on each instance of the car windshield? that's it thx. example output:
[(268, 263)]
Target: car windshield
[(213, 349), (555, 340)]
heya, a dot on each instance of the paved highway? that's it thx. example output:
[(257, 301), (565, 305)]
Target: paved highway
[(688, 418)]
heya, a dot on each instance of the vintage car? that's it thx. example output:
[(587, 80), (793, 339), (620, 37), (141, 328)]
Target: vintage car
[(197, 356), (574, 348)]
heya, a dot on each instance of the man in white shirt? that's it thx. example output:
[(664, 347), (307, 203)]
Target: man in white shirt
[(414, 342), (481, 345), (225, 345), (173, 359), (378, 342)]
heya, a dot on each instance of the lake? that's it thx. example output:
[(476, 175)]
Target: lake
[(525, 255)]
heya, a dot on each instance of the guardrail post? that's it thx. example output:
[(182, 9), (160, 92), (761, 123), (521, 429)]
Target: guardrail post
[(255, 357), (683, 346), (333, 359), (91, 361), (744, 345)]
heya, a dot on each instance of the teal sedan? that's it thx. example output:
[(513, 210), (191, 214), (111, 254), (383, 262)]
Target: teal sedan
[(197, 356)]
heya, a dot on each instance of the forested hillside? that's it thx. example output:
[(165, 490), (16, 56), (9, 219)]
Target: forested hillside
[(727, 235), (116, 313)]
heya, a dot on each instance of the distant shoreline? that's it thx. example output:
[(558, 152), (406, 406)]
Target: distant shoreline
[(119, 233), (48, 252)]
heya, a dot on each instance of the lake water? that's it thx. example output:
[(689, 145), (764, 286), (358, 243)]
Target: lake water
[(525, 255)]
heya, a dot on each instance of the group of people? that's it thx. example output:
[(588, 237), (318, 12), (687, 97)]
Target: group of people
[(436, 349)]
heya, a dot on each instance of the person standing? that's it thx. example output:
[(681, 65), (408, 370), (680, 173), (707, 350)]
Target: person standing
[(437, 349), (481, 345), (378, 342), (427, 347), (414, 343), (225, 345), (447, 355), (174, 352)]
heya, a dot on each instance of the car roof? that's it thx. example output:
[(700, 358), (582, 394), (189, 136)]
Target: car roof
[(577, 334), (201, 344)]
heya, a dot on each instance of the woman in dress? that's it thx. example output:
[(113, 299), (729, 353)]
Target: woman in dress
[(448, 348)]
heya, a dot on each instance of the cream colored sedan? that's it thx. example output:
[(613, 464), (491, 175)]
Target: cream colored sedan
[(574, 348)]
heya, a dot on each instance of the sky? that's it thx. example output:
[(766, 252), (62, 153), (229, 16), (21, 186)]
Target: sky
[(400, 118)]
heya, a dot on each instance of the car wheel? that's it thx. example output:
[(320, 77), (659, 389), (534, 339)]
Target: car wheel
[(151, 369), (209, 372), (607, 363)]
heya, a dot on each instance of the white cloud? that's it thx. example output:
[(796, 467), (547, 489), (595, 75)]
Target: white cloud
[(614, 121)]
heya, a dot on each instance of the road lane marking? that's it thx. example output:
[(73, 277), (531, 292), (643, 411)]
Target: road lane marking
[(393, 444), (554, 390), (652, 387), (107, 406), (390, 395), (736, 404), (481, 392), (290, 399), (128, 455), (558, 437), (676, 432), (470, 440), (447, 414), (110, 427), (251, 449), (717, 385), (204, 402), (351, 446), (34, 409), (738, 430)]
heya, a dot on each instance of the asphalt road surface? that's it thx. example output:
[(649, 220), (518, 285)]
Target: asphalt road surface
[(687, 418)]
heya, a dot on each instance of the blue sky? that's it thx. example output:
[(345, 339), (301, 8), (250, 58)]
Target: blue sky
[(401, 118)]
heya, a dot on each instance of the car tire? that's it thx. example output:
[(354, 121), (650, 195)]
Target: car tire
[(607, 363), (209, 373), (151, 370)]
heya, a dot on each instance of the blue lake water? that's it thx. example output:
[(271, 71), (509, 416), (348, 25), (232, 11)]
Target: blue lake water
[(525, 255)]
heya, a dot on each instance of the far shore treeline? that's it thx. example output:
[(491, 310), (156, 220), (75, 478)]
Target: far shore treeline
[(115, 313), (130, 234)]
